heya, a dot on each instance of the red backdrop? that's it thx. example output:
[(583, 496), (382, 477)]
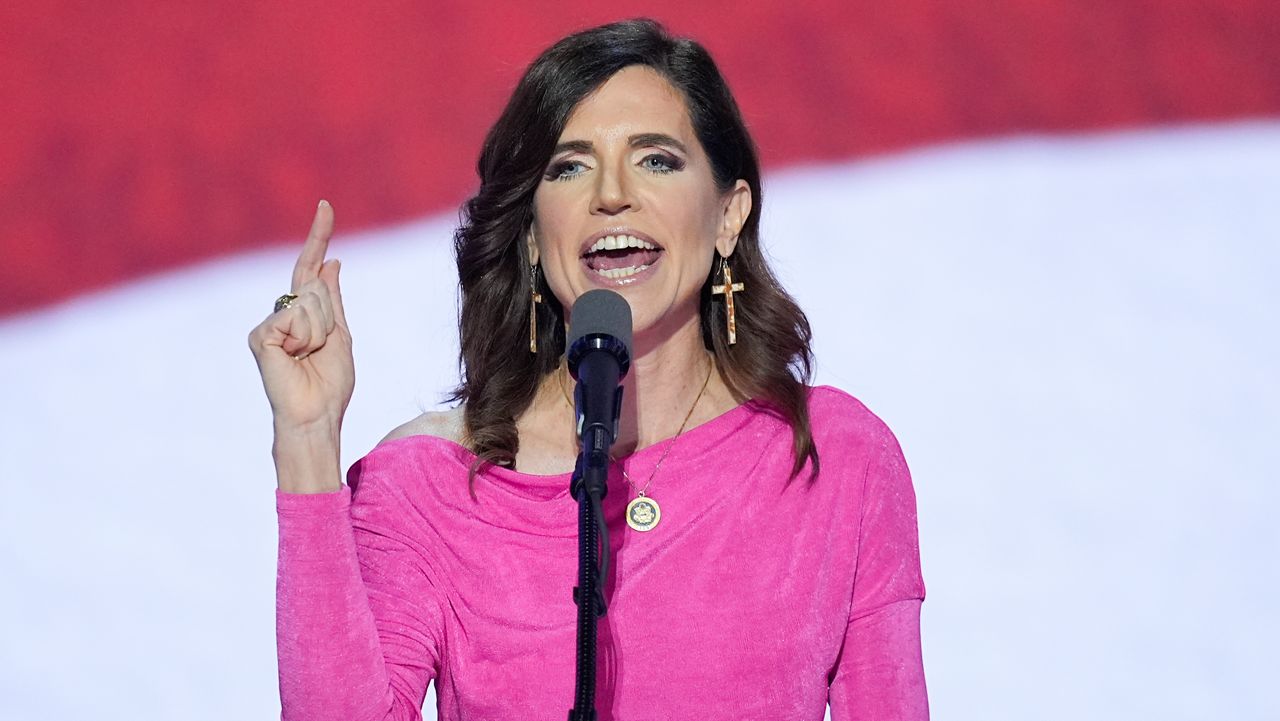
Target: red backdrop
[(140, 135)]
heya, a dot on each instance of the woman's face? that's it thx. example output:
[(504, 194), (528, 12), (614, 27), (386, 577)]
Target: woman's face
[(629, 202)]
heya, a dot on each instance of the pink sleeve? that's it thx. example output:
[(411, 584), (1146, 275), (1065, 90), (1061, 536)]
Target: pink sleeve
[(879, 674), (354, 630)]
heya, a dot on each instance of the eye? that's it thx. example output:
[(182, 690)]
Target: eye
[(661, 163), (565, 169)]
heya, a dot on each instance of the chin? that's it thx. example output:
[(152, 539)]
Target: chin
[(656, 319)]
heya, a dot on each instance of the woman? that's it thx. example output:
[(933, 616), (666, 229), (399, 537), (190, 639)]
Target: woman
[(751, 577)]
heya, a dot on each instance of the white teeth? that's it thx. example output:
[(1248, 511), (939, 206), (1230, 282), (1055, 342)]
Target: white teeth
[(617, 242), (616, 273)]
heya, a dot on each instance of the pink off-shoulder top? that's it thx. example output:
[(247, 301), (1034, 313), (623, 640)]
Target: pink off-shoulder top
[(755, 597)]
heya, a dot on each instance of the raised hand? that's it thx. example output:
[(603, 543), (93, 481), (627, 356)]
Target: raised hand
[(304, 356)]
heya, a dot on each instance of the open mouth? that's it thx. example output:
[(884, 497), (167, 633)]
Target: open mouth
[(621, 256)]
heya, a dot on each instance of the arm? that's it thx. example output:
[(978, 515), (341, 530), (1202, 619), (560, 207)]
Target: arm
[(352, 617), (879, 674), (355, 619)]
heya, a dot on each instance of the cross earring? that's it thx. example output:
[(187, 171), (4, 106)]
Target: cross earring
[(534, 299), (727, 289)]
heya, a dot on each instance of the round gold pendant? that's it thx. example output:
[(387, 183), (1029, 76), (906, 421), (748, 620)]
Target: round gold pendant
[(643, 513)]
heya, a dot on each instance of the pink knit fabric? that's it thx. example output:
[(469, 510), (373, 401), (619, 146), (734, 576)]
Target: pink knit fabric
[(752, 598)]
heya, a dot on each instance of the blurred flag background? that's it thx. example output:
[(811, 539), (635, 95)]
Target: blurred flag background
[(1038, 237)]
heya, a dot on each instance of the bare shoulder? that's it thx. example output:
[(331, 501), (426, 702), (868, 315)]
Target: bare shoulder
[(442, 424)]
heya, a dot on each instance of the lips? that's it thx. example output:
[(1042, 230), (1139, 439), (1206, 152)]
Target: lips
[(620, 255)]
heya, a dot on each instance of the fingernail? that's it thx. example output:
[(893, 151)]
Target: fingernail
[(323, 203)]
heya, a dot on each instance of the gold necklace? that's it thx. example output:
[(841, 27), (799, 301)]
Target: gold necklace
[(643, 512)]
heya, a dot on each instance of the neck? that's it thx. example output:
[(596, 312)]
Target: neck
[(663, 386), (668, 371)]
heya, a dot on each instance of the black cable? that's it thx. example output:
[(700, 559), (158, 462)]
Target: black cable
[(603, 529), (585, 683)]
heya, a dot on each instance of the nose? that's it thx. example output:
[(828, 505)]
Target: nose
[(612, 192)]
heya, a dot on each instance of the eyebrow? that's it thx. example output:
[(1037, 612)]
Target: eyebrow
[(585, 146)]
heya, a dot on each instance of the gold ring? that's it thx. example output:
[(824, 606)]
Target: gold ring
[(285, 301)]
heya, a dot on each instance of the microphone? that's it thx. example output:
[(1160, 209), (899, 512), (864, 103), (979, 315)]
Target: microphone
[(599, 356)]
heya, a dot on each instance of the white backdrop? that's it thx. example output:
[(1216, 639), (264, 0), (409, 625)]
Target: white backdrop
[(1073, 339)]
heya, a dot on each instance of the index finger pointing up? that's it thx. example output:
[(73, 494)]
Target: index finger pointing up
[(313, 250)]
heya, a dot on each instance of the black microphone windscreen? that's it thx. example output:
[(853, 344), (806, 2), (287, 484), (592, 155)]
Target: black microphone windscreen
[(600, 311)]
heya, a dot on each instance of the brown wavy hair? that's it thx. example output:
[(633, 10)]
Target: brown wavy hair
[(771, 362)]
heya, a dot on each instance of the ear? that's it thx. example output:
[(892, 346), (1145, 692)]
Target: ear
[(736, 208), (531, 242)]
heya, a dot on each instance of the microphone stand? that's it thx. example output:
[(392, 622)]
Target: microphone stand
[(589, 485), (589, 488), (598, 354)]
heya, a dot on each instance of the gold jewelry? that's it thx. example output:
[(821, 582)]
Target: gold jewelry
[(643, 512), (284, 301), (727, 289), (534, 299)]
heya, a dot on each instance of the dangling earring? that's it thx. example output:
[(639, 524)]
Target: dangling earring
[(727, 289), (534, 299)]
